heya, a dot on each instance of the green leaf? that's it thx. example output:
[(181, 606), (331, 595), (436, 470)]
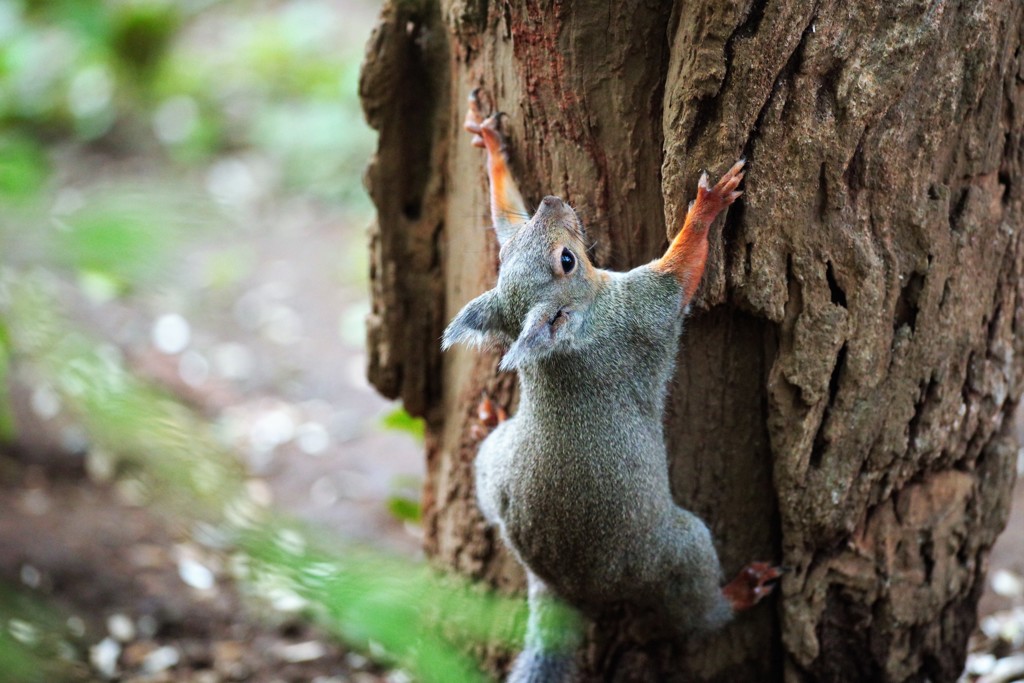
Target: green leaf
[(100, 287), (401, 421), (126, 237), (31, 639), (405, 509), (7, 430), (18, 663), (110, 241), (141, 34), (23, 168)]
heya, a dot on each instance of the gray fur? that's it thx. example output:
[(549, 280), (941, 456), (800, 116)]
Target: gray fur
[(551, 640), (577, 481)]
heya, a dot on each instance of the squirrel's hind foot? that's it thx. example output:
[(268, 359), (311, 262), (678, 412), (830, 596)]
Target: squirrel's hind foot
[(755, 582), (489, 415)]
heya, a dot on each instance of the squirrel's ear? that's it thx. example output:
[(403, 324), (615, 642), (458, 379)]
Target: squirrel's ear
[(479, 323), (536, 339)]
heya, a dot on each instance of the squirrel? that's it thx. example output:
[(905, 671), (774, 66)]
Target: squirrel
[(577, 481)]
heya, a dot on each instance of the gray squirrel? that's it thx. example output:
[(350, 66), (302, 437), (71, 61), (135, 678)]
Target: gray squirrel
[(577, 481)]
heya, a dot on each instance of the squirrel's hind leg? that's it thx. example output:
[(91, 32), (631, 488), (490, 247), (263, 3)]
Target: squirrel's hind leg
[(690, 588), (553, 634), (696, 600), (507, 207)]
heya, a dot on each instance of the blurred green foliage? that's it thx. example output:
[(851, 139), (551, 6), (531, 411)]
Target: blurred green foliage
[(6, 412), (403, 502), (184, 84), (146, 72), (34, 647), (23, 168), (405, 508), (401, 421), (124, 235)]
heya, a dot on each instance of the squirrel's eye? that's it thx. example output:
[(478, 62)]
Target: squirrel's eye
[(568, 261)]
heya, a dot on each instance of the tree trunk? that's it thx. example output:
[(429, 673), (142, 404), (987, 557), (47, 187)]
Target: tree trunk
[(847, 379)]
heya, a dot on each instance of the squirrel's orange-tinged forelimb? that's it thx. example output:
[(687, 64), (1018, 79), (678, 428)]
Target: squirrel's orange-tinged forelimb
[(507, 206), (688, 252)]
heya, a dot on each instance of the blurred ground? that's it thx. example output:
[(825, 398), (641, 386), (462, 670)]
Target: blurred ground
[(135, 593), (275, 358), (243, 162)]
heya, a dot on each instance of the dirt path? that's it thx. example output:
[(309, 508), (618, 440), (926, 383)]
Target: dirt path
[(121, 577)]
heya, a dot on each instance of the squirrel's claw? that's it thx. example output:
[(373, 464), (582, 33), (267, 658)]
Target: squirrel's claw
[(472, 125), (730, 181), (723, 193), (474, 119), (687, 254), (754, 582), (485, 129), (492, 124), (490, 131), (475, 106)]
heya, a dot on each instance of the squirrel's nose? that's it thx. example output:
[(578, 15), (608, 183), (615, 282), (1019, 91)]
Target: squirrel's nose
[(551, 202)]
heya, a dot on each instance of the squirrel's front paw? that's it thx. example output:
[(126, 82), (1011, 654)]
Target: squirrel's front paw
[(714, 199), (754, 582), (486, 130)]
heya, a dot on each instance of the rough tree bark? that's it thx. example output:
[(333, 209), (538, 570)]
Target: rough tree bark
[(846, 383)]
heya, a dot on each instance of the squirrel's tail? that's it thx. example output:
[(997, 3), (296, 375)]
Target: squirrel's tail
[(553, 633)]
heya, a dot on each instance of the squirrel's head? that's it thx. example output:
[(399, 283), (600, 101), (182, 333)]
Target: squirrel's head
[(546, 283)]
